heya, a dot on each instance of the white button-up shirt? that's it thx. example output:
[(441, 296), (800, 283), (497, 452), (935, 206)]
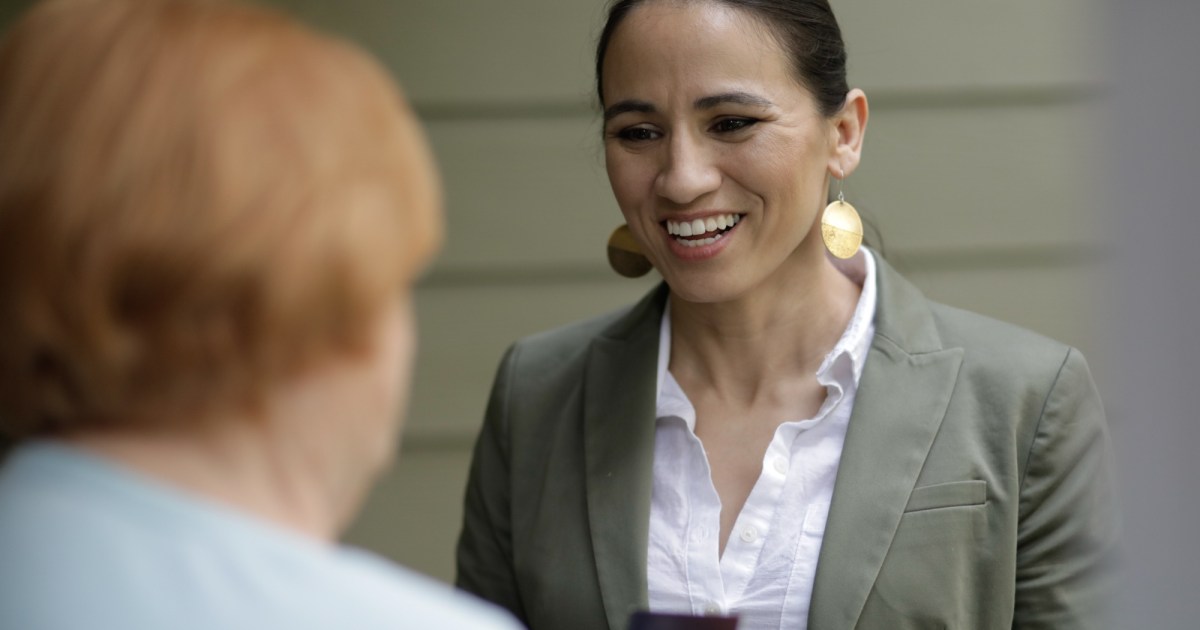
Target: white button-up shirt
[(766, 573)]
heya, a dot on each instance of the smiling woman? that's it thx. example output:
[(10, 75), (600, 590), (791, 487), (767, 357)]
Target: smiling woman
[(776, 432), (707, 120)]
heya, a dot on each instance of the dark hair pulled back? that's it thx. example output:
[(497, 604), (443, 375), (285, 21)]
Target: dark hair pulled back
[(806, 29)]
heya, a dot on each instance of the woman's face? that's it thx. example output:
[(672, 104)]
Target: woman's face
[(716, 154)]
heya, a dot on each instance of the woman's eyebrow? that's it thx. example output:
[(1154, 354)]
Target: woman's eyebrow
[(737, 98), (706, 102), (616, 109)]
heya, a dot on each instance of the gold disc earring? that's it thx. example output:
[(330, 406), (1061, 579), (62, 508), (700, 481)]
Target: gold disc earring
[(841, 227), (625, 255)]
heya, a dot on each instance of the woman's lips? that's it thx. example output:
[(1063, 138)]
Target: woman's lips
[(699, 238)]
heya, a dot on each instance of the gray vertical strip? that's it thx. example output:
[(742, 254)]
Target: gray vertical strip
[(1152, 165)]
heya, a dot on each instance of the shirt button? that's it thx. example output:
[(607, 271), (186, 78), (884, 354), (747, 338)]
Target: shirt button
[(781, 465), (749, 534), (713, 609)]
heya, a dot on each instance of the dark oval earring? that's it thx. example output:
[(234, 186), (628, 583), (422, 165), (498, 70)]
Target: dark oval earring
[(625, 255)]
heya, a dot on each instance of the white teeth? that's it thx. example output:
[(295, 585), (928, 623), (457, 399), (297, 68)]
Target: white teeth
[(700, 242), (696, 227)]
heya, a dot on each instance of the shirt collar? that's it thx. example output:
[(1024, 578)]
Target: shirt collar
[(853, 345)]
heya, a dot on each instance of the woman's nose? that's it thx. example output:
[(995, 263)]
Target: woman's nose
[(687, 172)]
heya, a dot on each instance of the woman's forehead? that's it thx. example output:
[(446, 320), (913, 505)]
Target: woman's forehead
[(691, 50)]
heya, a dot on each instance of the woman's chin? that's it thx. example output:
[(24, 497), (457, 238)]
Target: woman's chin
[(705, 288)]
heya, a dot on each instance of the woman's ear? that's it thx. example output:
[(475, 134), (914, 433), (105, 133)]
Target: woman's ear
[(849, 127)]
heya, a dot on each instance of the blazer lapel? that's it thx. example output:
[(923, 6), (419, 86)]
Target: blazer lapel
[(619, 403), (905, 389)]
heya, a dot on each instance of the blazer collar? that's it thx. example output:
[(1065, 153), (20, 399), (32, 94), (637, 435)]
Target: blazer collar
[(902, 398), (618, 432)]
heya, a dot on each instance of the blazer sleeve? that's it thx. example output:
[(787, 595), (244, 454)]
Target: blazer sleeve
[(484, 557), (1067, 527)]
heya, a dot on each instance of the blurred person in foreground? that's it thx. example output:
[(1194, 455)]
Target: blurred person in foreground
[(211, 219)]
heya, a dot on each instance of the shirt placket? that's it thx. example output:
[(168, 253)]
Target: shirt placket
[(752, 528), (706, 587)]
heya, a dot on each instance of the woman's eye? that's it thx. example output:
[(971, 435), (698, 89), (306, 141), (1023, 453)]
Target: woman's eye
[(728, 125), (637, 134)]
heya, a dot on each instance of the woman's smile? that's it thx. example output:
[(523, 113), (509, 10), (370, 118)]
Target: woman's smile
[(701, 237)]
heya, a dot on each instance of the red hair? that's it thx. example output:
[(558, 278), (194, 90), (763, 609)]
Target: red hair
[(197, 200)]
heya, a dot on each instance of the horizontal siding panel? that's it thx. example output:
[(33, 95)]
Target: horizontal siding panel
[(1060, 302), (983, 177), (472, 50), (465, 330), (932, 44), (414, 512), (524, 191), (532, 51)]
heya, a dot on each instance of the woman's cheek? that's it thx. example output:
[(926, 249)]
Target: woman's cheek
[(630, 189)]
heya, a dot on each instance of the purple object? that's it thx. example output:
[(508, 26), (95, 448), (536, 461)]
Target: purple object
[(658, 621)]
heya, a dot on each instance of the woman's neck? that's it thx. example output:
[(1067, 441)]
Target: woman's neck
[(776, 333)]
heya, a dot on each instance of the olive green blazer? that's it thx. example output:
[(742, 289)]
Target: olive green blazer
[(973, 491)]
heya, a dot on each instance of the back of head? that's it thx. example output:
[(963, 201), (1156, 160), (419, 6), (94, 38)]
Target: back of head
[(198, 200)]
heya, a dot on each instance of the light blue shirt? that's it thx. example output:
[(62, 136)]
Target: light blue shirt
[(85, 543)]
